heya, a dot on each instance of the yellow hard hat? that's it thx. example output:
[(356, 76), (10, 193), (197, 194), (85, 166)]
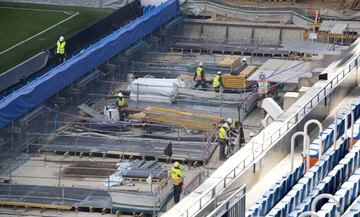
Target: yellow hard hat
[(176, 164)]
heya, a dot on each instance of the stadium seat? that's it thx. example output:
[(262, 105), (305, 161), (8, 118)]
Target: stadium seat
[(326, 176)]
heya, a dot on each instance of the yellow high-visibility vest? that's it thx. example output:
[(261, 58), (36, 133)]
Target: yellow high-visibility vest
[(216, 81), (233, 125), (222, 133), (60, 49), (177, 176), (198, 73), (121, 102)]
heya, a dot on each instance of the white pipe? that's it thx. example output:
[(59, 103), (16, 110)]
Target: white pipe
[(321, 129), (324, 196), (309, 213), (306, 146)]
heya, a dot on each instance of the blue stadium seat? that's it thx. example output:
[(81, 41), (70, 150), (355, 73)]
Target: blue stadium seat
[(294, 192), (286, 205)]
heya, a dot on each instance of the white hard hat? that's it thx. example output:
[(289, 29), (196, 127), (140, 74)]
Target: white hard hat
[(61, 38), (219, 72), (201, 64), (120, 95), (229, 120), (244, 59)]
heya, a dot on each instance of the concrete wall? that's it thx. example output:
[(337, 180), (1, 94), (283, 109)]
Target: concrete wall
[(282, 148), (267, 35), (214, 33), (241, 32), (292, 34), (236, 34)]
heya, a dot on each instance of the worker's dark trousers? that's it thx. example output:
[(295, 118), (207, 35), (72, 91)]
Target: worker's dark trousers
[(202, 83), (216, 89), (177, 192), (122, 114), (222, 144), (60, 58)]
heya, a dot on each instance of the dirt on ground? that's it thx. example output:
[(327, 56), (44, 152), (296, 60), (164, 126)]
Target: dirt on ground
[(339, 5)]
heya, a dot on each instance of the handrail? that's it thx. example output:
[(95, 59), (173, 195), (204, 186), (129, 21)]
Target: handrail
[(306, 149), (325, 196), (347, 111), (321, 129), (260, 150), (309, 213), (225, 204)]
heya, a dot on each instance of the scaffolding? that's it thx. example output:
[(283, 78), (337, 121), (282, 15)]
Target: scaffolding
[(58, 148)]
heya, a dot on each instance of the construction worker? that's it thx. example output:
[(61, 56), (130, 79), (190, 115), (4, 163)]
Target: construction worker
[(177, 176), (121, 105), (217, 82), (60, 50), (223, 140), (199, 76)]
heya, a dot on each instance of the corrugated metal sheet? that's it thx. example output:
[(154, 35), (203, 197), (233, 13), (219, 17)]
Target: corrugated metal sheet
[(284, 71), (339, 28), (328, 26)]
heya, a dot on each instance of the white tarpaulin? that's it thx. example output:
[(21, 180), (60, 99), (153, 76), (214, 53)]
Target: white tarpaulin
[(154, 89)]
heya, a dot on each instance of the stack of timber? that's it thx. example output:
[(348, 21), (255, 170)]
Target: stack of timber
[(177, 118), (238, 81), (231, 62)]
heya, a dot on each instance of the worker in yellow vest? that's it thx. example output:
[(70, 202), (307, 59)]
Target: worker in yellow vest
[(217, 82), (199, 76), (60, 50), (223, 140), (121, 105), (177, 176)]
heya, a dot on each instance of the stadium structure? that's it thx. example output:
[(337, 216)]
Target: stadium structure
[(289, 92)]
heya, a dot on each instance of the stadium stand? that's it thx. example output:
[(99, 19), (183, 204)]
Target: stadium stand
[(293, 193), (354, 208)]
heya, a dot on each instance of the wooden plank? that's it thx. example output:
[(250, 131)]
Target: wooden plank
[(35, 205), (230, 61), (210, 117), (178, 118), (238, 81), (248, 71)]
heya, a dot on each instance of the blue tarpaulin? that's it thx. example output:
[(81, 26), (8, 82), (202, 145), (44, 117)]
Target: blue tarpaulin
[(52, 82)]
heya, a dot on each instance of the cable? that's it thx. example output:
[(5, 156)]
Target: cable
[(277, 73)]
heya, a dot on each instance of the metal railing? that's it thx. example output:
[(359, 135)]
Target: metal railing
[(243, 165), (232, 202)]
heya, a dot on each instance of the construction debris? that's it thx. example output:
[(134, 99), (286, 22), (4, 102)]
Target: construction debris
[(90, 111)]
